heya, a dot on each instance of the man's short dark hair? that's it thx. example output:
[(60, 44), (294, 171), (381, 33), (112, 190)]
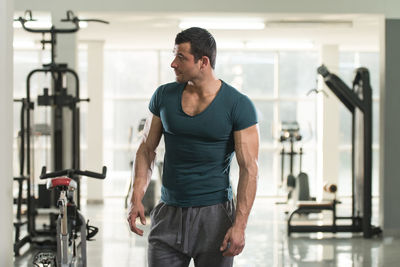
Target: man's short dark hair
[(202, 43)]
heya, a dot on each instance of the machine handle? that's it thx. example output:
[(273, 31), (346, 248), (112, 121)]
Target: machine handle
[(71, 172)]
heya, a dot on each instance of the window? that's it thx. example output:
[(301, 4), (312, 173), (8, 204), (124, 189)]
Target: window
[(128, 89), (130, 78), (277, 83), (253, 73)]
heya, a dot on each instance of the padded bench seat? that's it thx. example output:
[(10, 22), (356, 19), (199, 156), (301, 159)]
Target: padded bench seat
[(315, 204)]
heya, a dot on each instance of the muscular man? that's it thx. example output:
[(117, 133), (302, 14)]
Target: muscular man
[(204, 122)]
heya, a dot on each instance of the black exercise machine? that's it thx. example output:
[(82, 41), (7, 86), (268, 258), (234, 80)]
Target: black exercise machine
[(358, 101), (58, 99)]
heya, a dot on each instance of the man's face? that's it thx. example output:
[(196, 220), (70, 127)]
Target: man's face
[(184, 64)]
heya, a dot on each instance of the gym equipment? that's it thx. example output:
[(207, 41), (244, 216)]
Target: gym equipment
[(307, 207), (358, 101), (71, 227), (21, 179), (58, 100), (290, 132)]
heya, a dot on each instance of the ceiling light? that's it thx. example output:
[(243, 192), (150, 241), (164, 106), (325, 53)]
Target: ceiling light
[(310, 23), (83, 24), (43, 24), (224, 23), (33, 24)]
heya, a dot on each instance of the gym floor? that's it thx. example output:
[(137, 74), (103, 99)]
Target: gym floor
[(267, 243)]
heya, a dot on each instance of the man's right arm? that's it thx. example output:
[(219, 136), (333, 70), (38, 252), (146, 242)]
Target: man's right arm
[(144, 163)]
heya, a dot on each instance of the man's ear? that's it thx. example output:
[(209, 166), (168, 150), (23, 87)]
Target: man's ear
[(205, 62)]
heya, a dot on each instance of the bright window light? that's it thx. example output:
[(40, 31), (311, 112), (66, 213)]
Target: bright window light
[(281, 44), (23, 44), (230, 45), (224, 23)]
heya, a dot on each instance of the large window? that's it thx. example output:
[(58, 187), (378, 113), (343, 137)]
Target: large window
[(297, 76), (276, 82), (130, 79)]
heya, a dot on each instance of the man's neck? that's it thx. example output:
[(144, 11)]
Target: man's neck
[(205, 87)]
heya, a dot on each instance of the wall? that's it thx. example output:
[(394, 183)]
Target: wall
[(6, 138)]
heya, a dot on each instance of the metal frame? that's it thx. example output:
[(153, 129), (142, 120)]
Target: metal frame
[(58, 100), (358, 101)]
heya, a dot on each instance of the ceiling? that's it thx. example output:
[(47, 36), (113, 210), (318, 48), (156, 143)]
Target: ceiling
[(158, 30)]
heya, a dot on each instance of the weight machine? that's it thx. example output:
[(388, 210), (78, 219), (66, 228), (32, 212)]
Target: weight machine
[(297, 186), (358, 101), (58, 99)]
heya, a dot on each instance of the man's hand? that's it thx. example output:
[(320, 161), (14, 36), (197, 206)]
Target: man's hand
[(235, 237), (136, 210)]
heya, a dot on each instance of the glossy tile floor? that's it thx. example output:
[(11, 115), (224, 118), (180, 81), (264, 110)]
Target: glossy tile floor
[(267, 243)]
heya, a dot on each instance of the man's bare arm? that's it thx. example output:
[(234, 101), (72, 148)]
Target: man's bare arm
[(144, 163), (246, 149)]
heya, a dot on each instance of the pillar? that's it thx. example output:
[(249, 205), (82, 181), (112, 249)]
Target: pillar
[(95, 119), (389, 180), (328, 123), (6, 133)]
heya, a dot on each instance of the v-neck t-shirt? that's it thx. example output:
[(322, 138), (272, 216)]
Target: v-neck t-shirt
[(199, 148)]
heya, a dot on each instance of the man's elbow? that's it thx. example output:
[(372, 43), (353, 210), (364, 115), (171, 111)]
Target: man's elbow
[(250, 168), (145, 151)]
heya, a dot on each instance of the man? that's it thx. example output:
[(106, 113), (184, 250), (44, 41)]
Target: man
[(204, 121)]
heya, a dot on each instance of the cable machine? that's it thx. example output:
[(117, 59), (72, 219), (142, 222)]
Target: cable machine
[(58, 99), (358, 101)]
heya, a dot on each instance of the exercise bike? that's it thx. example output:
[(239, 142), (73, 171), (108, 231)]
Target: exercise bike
[(72, 230)]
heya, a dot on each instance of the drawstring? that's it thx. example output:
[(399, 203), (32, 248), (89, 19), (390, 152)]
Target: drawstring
[(186, 241), (179, 237), (180, 229)]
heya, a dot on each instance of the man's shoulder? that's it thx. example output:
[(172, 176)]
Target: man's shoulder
[(168, 90), (232, 92), (170, 86)]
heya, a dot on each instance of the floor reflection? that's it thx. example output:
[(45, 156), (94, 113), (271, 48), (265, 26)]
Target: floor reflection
[(267, 243)]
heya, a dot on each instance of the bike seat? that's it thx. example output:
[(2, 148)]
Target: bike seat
[(62, 182)]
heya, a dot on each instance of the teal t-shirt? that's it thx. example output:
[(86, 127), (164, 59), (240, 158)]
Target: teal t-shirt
[(199, 149)]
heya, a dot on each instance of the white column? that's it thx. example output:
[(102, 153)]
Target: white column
[(389, 127), (6, 133), (328, 121), (95, 119)]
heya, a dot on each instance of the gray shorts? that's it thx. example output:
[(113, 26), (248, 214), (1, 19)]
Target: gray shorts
[(179, 234)]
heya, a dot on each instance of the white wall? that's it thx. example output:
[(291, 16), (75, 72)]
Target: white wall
[(6, 122)]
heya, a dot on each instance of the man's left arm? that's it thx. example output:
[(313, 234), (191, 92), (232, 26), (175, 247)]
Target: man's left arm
[(246, 149)]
